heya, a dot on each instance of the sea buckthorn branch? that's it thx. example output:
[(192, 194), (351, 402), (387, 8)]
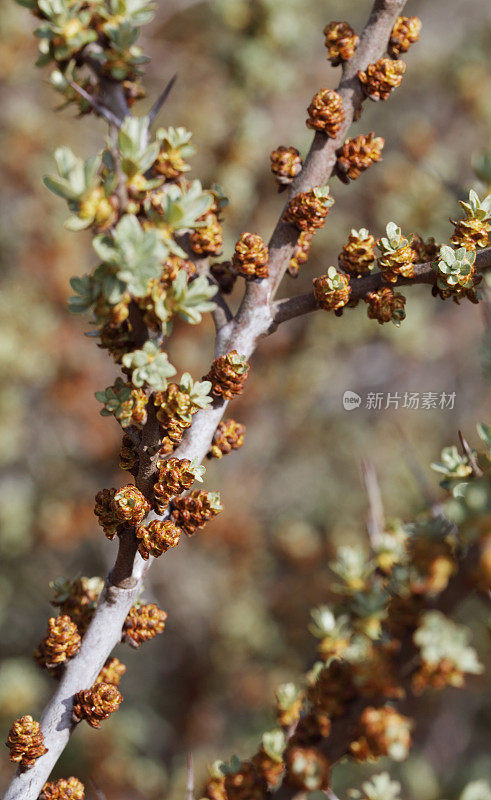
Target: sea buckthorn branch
[(137, 226), (291, 307)]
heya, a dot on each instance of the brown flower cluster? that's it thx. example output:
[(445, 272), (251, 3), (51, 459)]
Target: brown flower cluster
[(104, 512), (193, 512), (228, 436), (26, 742), (228, 374), (96, 704), (112, 672), (172, 266), (381, 732), (128, 456), (157, 537), (268, 768), (245, 784), (358, 254), (381, 78), (114, 507), (425, 251), (300, 254), (358, 154), (61, 643), (174, 411), (286, 164), (251, 257), (341, 42), (397, 261), (404, 33), (308, 210), (307, 769), (470, 232), (143, 623), (175, 476), (332, 291), (386, 305), (326, 112), (130, 505), (207, 240), (63, 789)]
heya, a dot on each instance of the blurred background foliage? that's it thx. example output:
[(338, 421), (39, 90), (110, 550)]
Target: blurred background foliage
[(238, 597)]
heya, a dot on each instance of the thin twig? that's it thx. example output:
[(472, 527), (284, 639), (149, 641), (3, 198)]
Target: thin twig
[(161, 100), (470, 455), (411, 458), (101, 109), (375, 515), (292, 307), (190, 780), (100, 794)]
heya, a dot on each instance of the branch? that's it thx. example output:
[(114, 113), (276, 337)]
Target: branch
[(321, 158), (254, 320), (292, 307)]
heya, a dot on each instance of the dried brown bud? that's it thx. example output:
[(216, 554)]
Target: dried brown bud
[(356, 155), (157, 537), (208, 239), (172, 266), (143, 623), (63, 789), (195, 510), (386, 305), (382, 732), (175, 476), (228, 374), (175, 411), (270, 769), (105, 513), (341, 42), (434, 564), (128, 456), (96, 704), (228, 436), (425, 251), (308, 210), (285, 165), (470, 233), (307, 769), (61, 643), (381, 78), (130, 505), (112, 672), (26, 742), (326, 112), (358, 255), (404, 33), (332, 291), (251, 257)]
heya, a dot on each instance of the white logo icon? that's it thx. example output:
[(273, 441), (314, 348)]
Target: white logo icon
[(351, 400)]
